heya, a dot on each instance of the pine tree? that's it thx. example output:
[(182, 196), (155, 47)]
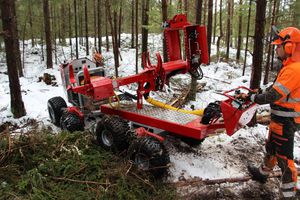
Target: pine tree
[(48, 33), (258, 44), (10, 33)]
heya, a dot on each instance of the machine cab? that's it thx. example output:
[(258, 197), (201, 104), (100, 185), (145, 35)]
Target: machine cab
[(77, 65)]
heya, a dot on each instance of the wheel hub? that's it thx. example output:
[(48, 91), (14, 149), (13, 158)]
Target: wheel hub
[(142, 161), (51, 113), (107, 138)]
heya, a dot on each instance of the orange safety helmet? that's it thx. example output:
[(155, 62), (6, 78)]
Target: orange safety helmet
[(289, 34), (290, 39)]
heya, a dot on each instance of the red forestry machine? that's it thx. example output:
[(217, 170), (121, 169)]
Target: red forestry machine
[(122, 124)]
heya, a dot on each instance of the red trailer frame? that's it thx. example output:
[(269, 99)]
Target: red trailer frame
[(153, 78)]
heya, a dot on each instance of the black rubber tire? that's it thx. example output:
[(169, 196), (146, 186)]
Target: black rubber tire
[(55, 109), (71, 122), (150, 155), (192, 142), (113, 133)]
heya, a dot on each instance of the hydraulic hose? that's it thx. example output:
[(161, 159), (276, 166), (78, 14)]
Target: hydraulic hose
[(166, 106)]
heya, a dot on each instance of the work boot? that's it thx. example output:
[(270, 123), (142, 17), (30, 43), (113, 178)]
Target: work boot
[(256, 175)]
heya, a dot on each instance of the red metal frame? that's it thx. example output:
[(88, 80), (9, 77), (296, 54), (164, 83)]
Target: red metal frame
[(193, 129), (75, 110), (142, 132), (233, 109), (153, 77)]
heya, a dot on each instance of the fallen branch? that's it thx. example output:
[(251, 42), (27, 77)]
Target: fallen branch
[(199, 181), (218, 80), (145, 181), (79, 181), (182, 98)]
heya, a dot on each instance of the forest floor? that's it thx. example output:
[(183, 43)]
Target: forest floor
[(188, 188), (235, 187)]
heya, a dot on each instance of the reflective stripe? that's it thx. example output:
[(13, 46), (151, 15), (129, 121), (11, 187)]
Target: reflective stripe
[(285, 113), (290, 100), (290, 185), (285, 90), (252, 97), (289, 194)]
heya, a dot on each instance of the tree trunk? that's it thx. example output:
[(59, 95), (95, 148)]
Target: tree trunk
[(204, 12), (115, 43), (179, 6), (215, 22), (9, 24), (209, 24), (1, 44), (70, 29), (18, 56), (120, 25), (199, 11), (23, 42), (113, 26), (86, 28), (136, 36), (238, 52), (228, 35), (247, 36), (270, 47), (186, 7), (48, 33), (31, 23), (296, 14), (63, 25), (54, 30), (76, 28), (258, 44), (275, 22), (193, 86), (164, 9), (106, 30), (221, 31), (231, 17), (145, 23), (95, 23), (80, 15), (99, 26), (42, 42), (132, 24)]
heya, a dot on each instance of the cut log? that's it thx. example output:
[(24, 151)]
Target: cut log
[(199, 181)]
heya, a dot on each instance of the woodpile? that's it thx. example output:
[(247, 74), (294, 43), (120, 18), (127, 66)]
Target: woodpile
[(48, 79)]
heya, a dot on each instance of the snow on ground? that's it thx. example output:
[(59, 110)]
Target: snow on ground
[(220, 156)]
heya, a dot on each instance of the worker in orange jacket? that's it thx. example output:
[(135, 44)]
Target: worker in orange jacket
[(284, 99)]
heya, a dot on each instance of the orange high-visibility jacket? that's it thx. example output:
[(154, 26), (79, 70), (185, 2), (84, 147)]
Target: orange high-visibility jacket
[(288, 85)]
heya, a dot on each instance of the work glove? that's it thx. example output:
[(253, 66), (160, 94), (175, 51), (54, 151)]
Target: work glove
[(247, 97), (257, 91), (243, 96)]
